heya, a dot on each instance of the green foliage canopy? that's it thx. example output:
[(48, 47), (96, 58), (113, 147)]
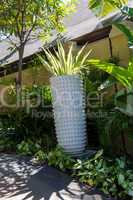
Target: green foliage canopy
[(104, 7), (32, 15), (28, 20)]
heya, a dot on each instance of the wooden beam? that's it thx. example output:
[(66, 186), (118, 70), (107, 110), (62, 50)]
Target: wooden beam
[(93, 37)]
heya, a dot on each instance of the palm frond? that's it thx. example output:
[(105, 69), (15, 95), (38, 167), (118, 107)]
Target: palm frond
[(120, 73)]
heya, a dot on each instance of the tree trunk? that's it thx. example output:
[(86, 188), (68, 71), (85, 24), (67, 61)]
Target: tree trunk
[(19, 77)]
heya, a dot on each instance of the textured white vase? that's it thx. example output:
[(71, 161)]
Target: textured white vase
[(69, 113)]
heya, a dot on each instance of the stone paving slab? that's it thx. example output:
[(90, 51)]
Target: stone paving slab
[(20, 180)]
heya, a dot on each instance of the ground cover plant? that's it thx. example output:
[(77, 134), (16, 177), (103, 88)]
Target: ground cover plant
[(113, 177)]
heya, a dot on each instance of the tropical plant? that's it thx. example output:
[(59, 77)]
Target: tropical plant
[(123, 75), (40, 156), (36, 125), (104, 7), (59, 159), (28, 147), (119, 119), (60, 63), (116, 123), (17, 125), (113, 177), (119, 126)]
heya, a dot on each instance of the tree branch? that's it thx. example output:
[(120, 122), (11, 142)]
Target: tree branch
[(8, 56), (29, 32)]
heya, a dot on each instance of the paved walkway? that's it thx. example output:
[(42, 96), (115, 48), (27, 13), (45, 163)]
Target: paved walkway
[(19, 180)]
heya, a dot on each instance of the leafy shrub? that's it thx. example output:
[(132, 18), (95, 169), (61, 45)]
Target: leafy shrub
[(111, 176), (56, 157), (41, 156), (36, 124), (28, 147), (28, 125), (7, 142), (42, 91), (117, 126), (59, 159)]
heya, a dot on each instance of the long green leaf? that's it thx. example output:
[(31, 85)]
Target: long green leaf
[(127, 31), (120, 73), (61, 63)]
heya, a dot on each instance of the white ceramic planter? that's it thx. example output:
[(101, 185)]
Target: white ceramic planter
[(69, 113)]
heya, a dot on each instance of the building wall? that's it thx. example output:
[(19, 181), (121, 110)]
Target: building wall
[(101, 49), (120, 46), (36, 75)]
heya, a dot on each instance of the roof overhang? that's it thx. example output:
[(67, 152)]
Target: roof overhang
[(93, 37)]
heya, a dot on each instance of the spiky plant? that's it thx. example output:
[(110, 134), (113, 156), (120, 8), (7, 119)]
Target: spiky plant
[(59, 62)]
